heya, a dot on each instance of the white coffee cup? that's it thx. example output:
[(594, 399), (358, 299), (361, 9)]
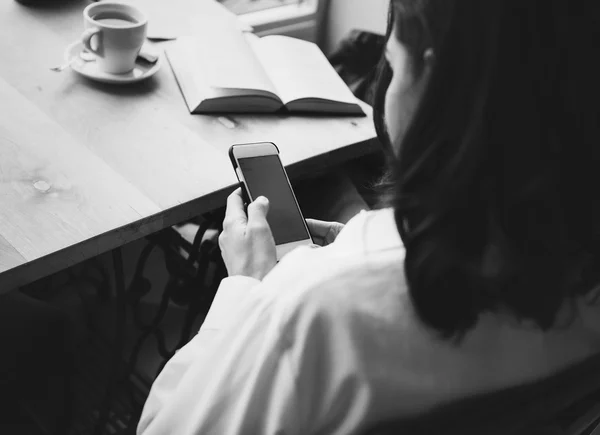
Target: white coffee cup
[(115, 33)]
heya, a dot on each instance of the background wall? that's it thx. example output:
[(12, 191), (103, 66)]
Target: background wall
[(345, 15)]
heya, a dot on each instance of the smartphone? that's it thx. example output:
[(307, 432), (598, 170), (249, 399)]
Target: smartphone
[(261, 173)]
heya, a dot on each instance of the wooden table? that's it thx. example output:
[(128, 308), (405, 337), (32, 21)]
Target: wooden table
[(86, 167)]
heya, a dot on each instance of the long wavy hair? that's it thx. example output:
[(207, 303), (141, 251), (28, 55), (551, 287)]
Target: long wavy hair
[(496, 185)]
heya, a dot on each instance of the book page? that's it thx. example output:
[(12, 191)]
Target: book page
[(200, 94), (300, 70), (224, 60)]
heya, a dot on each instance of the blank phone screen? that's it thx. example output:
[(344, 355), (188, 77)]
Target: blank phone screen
[(265, 176)]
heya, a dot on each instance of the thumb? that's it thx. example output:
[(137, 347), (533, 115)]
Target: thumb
[(258, 209)]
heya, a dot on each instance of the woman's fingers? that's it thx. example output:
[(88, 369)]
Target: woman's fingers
[(318, 229), (246, 243), (258, 210), (235, 213), (324, 233)]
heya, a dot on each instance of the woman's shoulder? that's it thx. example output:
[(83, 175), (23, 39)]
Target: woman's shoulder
[(341, 312), (362, 273)]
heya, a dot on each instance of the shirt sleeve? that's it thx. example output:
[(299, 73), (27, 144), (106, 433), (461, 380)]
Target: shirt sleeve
[(234, 377)]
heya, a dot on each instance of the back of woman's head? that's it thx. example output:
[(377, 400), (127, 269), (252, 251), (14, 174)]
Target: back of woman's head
[(496, 181)]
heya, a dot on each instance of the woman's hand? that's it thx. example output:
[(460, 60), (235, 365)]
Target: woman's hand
[(246, 243), (324, 233)]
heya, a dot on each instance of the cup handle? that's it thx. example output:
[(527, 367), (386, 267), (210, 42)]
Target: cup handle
[(86, 40)]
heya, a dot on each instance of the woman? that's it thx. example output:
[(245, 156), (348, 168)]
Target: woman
[(480, 274)]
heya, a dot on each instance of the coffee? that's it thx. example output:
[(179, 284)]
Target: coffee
[(114, 19)]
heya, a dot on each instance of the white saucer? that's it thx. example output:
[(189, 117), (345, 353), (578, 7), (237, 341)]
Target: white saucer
[(89, 69)]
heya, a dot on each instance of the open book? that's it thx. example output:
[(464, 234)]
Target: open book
[(235, 72)]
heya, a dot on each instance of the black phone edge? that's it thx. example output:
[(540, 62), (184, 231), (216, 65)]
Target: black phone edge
[(245, 195)]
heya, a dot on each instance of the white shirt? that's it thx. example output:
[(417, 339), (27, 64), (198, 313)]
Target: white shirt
[(328, 343)]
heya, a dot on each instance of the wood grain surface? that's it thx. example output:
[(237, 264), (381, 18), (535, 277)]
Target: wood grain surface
[(87, 167)]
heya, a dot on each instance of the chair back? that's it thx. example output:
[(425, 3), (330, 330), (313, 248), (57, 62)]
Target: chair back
[(566, 403)]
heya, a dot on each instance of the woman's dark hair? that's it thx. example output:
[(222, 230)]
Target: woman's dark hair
[(496, 186)]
